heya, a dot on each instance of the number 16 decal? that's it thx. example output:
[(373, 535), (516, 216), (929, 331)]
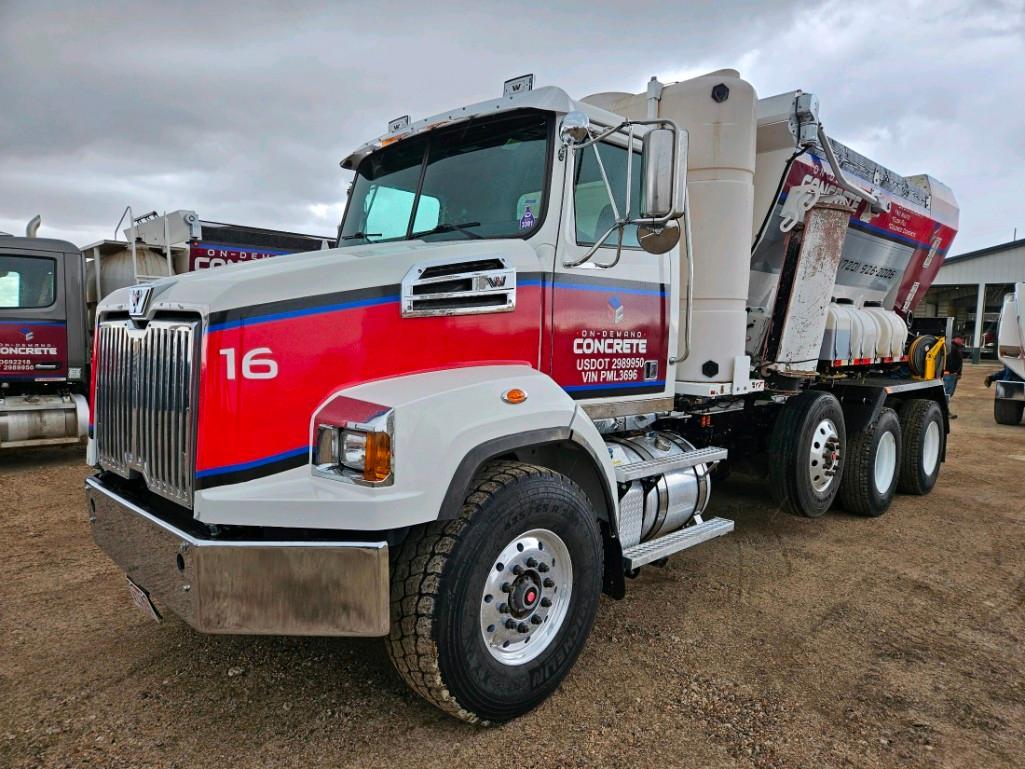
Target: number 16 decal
[(253, 365)]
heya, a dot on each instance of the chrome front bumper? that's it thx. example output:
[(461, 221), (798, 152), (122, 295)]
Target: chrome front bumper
[(251, 587)]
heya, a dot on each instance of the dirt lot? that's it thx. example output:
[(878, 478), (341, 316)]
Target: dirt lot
[(791, 643)]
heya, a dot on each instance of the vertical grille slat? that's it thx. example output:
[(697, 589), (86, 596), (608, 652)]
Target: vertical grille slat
[(144, 392)]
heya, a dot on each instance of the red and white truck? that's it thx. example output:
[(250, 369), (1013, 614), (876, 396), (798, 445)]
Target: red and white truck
[(48, 294), (546, 322)]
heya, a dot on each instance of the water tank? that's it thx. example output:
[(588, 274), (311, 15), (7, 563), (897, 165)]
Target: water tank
[(718, 112)]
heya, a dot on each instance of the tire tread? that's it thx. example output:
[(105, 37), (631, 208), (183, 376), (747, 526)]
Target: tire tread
[(416, 581)]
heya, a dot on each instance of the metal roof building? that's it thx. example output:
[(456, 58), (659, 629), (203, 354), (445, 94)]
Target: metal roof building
[(971, 287)]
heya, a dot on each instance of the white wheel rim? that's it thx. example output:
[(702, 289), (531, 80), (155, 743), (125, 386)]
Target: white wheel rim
[(526, 597), (886, 462), (931, 448), (824, 457)]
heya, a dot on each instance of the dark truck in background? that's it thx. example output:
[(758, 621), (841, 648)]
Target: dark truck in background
[(48, 293)]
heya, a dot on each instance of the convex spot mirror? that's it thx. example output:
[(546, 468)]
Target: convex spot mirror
[(659, 240), (576, 128), (657, 173)]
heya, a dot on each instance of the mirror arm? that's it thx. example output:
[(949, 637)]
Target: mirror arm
[(608, 186), (619, 250), (586, 257), (690, 281)]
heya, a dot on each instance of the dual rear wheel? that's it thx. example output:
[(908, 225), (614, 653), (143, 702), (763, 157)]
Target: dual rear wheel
[(814, 462)]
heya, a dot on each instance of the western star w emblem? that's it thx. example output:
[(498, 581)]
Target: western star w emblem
[(138, 300)]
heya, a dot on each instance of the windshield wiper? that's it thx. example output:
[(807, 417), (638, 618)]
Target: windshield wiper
[(452, 228), (363, 235)]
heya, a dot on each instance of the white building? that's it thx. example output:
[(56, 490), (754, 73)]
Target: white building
[(971, 287)]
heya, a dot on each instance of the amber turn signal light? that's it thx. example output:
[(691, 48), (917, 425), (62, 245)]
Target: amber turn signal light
[(378, 458), (514, 396)]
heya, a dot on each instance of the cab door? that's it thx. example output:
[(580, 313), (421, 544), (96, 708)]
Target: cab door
[(612, 327)]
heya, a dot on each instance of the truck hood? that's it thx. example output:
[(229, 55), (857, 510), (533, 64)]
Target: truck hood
[(296, 276)]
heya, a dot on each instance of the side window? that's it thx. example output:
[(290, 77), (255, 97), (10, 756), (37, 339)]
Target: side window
[(593, 209)]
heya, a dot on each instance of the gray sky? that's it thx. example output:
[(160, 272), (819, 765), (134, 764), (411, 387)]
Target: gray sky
[(242, 111)]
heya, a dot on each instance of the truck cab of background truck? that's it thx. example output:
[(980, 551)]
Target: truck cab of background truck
[(43, 350)]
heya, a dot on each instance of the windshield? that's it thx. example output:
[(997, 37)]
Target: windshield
[(482, 179)]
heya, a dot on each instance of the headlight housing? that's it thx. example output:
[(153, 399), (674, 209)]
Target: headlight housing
[(355, 451)]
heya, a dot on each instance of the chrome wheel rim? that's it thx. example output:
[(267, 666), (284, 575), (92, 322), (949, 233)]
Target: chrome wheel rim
[(526, 597), (824, 457), (886, 462), (931, 448)]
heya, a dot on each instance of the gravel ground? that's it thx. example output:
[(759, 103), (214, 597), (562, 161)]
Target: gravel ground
[(791, 643)]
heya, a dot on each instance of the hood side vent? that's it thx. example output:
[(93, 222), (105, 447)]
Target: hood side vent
[(459, 288), (480, 265)]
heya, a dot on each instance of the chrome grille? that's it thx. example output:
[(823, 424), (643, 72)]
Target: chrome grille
[(145, 385)]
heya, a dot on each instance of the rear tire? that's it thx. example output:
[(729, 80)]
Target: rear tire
[(806, 453), (872, 466), (1008, 412), (526, 547), (921, 423)]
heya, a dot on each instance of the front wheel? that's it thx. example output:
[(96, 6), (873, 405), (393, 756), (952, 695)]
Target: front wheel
[(491, 609)]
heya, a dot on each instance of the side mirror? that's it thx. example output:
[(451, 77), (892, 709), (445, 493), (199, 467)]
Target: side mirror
[(657, 173), (576, 128), (659, 240)]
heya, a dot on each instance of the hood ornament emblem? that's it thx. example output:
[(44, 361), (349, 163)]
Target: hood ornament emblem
[(138, 301)]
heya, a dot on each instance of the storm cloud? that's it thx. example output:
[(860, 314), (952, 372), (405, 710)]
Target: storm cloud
[(242, 111)]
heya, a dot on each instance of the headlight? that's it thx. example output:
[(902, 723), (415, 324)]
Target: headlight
[(356, 451)]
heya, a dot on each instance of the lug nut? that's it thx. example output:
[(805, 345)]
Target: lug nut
[(549, 582), (535, 620), (542, 567), (503, 608), (506, 587), (523, 627), (517, 570), (545, 602), (531, 563), (510, 623)]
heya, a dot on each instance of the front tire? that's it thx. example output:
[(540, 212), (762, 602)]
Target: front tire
[(872, 467), (520, 565), (1008, 412), (806, 453)]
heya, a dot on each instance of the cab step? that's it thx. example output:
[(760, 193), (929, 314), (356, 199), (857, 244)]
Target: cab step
[(663, 465), (652, 550)]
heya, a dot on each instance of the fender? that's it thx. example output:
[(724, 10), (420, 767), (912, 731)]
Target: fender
[(440, 419)]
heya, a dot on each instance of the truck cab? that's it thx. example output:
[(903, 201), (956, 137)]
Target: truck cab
[(546, 322), (43, 351)]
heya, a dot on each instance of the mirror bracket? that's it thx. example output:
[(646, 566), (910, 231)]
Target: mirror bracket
[(576, 134)]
